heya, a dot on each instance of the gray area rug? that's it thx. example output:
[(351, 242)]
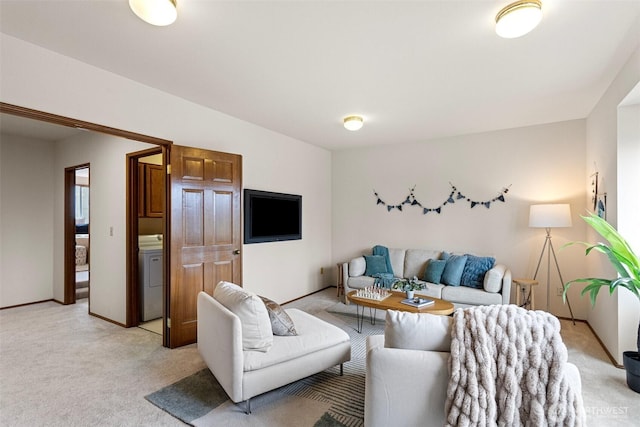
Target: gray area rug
[(325, 399)]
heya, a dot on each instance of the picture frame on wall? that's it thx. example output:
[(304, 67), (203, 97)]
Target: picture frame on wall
[(594, 190), (601, 205)]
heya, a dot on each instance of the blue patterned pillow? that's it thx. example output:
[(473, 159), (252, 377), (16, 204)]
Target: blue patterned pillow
[(434, 270), (453, 270), (475, 269), (376, 264)]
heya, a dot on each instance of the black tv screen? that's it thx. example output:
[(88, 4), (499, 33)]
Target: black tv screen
[(271, 217)]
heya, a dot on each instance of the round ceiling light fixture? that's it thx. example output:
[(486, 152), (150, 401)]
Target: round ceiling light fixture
[(518, 18), (353, 122), (155, 12)]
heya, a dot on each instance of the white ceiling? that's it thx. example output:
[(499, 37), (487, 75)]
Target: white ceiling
[(14, 125), (416, 70)]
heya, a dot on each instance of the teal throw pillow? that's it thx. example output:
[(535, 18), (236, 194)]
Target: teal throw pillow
[(434, 270), (453, 270), (475, 269), (376, 264)]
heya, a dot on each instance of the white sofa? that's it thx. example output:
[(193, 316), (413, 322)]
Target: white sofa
[(407, 263), (408, 387), (244, 374)]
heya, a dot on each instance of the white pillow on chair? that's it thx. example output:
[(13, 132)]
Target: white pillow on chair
[(417, 331), (254, 318)]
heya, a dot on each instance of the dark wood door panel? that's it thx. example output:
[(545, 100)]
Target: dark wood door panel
[(223, 171), (193, 214), (192, 169), (193, 280), (186, 313), (221, 219), (216, 272)]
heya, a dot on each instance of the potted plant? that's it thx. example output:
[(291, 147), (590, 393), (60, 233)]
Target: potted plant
[(627, 265), (408, 286)]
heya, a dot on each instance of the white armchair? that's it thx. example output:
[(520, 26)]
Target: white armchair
[(244, 373)]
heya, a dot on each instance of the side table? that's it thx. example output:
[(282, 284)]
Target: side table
[(528, 298)]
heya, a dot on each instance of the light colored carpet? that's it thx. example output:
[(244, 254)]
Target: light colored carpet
[(61, 367), (607, 398)]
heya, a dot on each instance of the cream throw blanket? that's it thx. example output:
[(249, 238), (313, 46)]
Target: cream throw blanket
[(507, 369)]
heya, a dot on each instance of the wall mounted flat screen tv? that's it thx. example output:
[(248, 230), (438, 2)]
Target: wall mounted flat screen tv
[(271, 217)]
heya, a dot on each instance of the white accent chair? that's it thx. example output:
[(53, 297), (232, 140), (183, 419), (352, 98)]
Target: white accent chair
[(244, 374)]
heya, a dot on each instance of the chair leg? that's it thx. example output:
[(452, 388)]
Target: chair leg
[(247, 407), (341, 369)]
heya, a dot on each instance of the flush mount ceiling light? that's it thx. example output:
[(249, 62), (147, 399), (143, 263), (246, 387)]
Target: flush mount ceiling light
[(518, 18), (155, 12), (353, 122)]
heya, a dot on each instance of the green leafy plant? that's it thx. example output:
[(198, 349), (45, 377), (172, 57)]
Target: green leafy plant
[(408, 285), (621, 257)]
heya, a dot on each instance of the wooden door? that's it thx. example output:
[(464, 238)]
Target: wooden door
[(205, 232)]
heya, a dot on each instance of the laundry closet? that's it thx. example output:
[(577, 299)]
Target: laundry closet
[(150, 237)]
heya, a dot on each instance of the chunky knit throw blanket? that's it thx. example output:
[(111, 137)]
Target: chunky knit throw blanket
[(507, 369)]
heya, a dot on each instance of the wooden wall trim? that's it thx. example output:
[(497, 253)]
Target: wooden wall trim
[(106, 319), (31, 303), (16, 110), (613, 360)]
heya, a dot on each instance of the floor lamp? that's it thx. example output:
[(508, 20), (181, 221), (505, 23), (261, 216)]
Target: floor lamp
[(550, 216)]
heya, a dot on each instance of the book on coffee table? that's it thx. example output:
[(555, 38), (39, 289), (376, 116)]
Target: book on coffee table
[(417, 302)]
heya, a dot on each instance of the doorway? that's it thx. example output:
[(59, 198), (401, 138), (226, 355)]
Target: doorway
[(82, 236), (146, 183), (76, 233), (197, 199)]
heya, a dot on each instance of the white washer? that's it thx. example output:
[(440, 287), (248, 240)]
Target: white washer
[(150, 281)]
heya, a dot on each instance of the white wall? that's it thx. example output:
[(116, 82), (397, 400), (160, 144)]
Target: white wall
[(281, 271), (107, 195), (608, 319), (539, 164), (628, 208), (26, 220)]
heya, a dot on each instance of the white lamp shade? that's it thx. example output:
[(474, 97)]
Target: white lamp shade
[(519, 18), (155, 12), (550, 216), (353, 122)]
